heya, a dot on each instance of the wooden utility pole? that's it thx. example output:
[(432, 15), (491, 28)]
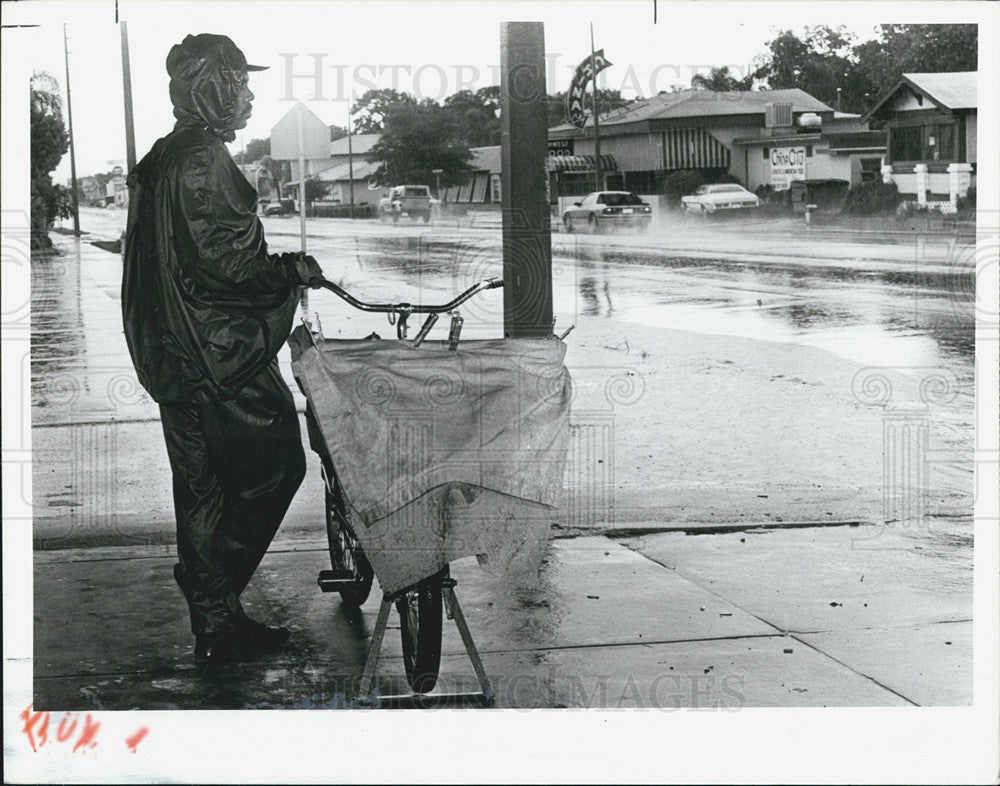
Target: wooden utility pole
[(598, 171), (350, 158), (72, 142), (304, 295), (527, 238), (127, 89)]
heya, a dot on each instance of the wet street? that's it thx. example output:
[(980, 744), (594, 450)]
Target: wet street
[(770, 478), (738, 372)]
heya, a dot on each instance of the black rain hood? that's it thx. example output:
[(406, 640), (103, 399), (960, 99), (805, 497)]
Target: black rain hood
[(205, 306), (207, 73)]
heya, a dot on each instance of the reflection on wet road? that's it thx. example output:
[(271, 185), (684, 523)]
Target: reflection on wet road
[(897, 315), (771, 344)]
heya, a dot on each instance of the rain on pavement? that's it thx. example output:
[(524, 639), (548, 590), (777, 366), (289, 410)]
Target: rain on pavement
[(753, 381)]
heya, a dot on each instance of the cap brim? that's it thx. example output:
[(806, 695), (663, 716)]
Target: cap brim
[(256, 67)]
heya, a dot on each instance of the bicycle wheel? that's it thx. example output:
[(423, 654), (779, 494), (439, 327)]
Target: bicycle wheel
[(420, 626), (345, 551)]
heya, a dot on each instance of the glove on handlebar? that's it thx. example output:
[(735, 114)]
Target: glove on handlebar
[(305, 270)]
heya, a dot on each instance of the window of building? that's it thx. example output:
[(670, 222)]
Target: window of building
[(575, 183), (906, 143), (931, 142), (641, 182), (809, 151), (767, 153), (944, 150), (495, 191), (871, 170)]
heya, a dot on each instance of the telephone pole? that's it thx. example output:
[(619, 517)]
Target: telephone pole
[(127, 89), (350, 158), (72, 141), (598, 172)]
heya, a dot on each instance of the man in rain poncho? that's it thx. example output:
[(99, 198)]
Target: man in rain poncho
[(206, 309)]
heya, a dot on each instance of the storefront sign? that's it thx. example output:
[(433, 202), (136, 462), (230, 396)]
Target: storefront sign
[(560, 147), (787, 164), (586, 71)]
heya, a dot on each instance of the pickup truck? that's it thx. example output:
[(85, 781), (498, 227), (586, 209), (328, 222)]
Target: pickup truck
[(411, 201)]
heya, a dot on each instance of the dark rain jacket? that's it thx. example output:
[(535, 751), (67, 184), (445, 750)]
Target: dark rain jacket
[(205, 306)]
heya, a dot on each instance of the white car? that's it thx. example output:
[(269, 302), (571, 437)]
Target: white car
[(608, 209), (719, 196)]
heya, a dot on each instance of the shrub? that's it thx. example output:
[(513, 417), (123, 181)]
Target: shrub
[(967, 202), (681, 183), (772, 201), (871, 199), (342, 211)]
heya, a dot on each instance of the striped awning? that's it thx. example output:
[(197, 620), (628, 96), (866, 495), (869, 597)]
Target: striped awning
[(579, 163), (693, 148)]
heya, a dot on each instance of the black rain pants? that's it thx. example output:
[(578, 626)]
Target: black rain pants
[(236, 465)]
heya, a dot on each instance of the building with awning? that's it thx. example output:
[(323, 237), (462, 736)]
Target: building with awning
[(559, 163), (685, 130), (573, 175), (813, 153)]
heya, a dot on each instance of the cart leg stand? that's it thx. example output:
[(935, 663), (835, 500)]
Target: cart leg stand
[(454, 612)]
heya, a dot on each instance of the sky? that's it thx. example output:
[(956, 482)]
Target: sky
[(431, 49)]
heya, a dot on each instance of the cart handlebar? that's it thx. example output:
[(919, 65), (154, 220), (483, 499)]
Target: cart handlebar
[(409, 308)]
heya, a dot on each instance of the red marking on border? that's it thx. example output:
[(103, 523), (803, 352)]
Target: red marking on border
[(60, 735), (136, 738), (90, 728), (30, 719)]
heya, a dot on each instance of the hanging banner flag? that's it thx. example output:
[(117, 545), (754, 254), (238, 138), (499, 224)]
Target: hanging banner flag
[(574, 96)]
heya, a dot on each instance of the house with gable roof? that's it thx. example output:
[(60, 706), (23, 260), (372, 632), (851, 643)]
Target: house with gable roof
[(931, 124)]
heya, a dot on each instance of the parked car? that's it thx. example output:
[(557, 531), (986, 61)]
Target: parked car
[(279, 207), (606, 210), (411, 201), (719, 196)]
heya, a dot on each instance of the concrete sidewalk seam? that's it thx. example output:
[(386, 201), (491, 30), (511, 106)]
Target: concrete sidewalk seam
[(854, 670), (900, 626), (651, 642)]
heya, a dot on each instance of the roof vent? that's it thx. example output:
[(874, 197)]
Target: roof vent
[(777, 115)]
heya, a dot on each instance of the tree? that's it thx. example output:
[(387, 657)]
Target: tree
[(719, 80), (337, 132), (315, 190), (371, 109), (416, 140), (901, 49), (821, 59), (49, 142), (274, 172), (255, 150), (475, 116), (818, 62)]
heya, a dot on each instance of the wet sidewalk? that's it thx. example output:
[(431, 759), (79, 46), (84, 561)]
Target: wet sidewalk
[(837, 616), (727, 574)]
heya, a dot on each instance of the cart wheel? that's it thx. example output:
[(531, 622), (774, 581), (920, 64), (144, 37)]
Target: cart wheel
[(420, 626), (345, 551)]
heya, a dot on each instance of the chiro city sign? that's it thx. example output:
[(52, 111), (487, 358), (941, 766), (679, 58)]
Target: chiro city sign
[(787, 164)]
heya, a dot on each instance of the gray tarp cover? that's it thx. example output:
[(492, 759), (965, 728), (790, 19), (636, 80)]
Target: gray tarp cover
[(442, 454)]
